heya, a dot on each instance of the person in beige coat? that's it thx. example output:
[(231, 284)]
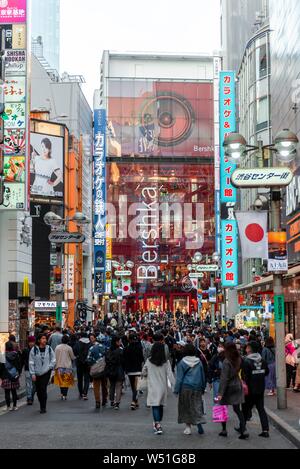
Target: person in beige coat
[(64, 377)]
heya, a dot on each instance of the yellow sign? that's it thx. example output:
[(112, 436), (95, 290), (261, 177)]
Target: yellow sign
[(109, 233), (26, 288), (19, 36)]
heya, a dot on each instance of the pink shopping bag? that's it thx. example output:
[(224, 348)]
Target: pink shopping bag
[(220, 413)]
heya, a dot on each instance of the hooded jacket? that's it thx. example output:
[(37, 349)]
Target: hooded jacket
[(190, 375), (38, 366), (81, 351), (12, 360), (254, 371)]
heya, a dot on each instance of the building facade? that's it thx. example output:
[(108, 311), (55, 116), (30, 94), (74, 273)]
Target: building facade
[(45, 24), (160, 175)]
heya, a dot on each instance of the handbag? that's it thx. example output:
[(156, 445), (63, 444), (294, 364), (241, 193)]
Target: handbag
[(290, 360), (97, 370), (220, 414), (142, 383)]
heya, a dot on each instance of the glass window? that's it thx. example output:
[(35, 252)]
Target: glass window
[(261, 62), (262, 114)]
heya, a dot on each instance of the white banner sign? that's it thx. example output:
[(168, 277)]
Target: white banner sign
[(69, 277), (264, 177)]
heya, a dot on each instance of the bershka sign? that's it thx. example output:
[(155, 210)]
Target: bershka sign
[(149, 232), (66, 238)]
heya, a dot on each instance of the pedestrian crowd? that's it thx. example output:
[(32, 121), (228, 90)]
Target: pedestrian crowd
[(155, 354)]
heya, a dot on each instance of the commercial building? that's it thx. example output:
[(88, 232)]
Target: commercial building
[(160, 124), (45, 28)]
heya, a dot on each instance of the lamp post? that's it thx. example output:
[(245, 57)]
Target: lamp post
[(285, 149), (53, 220)]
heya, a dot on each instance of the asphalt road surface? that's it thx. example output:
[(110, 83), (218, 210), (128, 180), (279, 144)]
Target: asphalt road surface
[(76, 424)]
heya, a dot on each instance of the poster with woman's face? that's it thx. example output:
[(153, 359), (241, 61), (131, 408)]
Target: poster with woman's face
[(46, 166)]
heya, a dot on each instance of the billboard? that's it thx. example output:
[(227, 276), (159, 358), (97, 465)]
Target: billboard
[(46, 165), (160, 119), (228, 194), (14, 141), (100, 200), (13, 11)]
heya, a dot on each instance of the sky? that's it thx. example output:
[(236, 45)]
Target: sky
[(90, 26)]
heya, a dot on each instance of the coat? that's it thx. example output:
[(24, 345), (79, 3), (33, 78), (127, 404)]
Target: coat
[(190, 375), (230, 388), (133, 358), (157, 377), (37, 367), (64, 356)]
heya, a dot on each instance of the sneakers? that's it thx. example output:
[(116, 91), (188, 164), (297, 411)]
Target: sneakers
[(98, 405), (8, 408), (271, 393), (264, 435), (158, 429), (15, 408), (134, 406), (43, 411), (223, 433), (29, 402), (244, 436), (117, 407), (188, 430), (85, 398)]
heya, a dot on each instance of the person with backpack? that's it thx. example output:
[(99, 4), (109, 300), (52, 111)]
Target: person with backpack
[(41, 364), (81, 350), (9, 375), (190, 386), (254, 372), (96, 362), (114, 370), (30, 386), (268, 355)]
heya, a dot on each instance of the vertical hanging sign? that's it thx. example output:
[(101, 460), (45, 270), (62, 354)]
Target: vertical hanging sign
[(100, 199), (228, 193), (14, 125)]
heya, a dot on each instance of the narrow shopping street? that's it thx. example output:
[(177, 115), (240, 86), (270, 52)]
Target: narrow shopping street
[(75, 424)]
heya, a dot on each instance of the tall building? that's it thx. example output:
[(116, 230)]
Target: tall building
[(45, 25), (160, 126), (285, 92), (240, 19)]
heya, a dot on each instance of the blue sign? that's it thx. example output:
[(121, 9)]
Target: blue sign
[(228, 193), (99, 199), (227, 126)]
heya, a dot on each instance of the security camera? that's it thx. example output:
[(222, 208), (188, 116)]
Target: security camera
[(258, 204)]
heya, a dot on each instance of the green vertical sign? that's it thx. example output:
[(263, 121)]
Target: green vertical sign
[(279, 308), (59, 313)]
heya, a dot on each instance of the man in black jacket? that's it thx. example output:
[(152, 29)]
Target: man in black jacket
[(254, 371)]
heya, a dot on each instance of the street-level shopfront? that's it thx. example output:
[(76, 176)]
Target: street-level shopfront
[(260, 293), (45, 312)]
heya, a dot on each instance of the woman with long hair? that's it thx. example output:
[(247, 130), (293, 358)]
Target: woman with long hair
[(190, 386), (231, 388), (115, 371), (156, 371), (64, 357)]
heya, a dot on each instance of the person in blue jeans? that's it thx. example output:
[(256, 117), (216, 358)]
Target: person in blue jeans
[(157, 372), (215, 367), (190, 386)]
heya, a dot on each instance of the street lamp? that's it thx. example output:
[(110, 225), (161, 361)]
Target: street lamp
[(285, 149)]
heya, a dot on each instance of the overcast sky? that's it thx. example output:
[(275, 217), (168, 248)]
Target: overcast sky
[(90, 26)]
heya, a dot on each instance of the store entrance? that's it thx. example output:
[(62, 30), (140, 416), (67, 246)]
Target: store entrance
[(181, 303)]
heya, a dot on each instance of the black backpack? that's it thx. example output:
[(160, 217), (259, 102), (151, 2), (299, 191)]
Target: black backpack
[(112, 364), (83, 353)]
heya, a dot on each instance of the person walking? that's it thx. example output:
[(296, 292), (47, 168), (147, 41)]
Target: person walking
[(56, 338), (95, 354), (231, 388), (215, 367), (156, 372), (64, 377), (133, 359), (268, 355), (205, 356), (30, 386), (290, 359), (254, 372), (41, 364), (81, 350), (114, 370), (190, 386), (9, 375)]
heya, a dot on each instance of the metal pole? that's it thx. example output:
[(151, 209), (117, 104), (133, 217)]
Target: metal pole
[(60, 295), (279, 326)]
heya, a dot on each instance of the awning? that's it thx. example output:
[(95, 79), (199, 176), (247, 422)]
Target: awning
[(269, 280)]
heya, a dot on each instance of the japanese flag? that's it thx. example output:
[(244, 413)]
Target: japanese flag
[(126, 287), (253, 229)]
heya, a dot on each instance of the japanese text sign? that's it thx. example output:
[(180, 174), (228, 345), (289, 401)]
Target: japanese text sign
[(99, 199), (12, 11)]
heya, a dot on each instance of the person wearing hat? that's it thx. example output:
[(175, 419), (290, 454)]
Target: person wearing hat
[(30, 385)]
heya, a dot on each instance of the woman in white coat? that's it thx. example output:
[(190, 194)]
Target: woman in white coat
[(156, 370)]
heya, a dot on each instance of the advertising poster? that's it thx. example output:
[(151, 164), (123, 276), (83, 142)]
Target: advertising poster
[(16, 116), (15, 89), (19, 36), (278, 256), (14, 169), (13, 11), (15, 62), (152, 118), (14, 196), (46, 166), (14, 142)]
